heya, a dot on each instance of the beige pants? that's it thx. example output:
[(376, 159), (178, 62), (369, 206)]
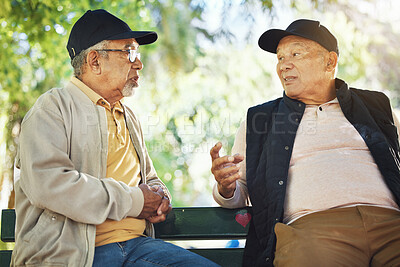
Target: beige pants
[(356, 236)]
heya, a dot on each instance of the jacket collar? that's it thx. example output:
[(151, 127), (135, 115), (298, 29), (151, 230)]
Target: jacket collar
[(293, 104), (342, 92), (344, 97)]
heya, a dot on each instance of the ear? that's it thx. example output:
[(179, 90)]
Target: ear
[(93, 62), (332, 61)]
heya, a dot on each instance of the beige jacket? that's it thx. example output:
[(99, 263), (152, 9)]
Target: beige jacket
[(62, 191)]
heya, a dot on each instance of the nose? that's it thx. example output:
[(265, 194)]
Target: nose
[(137, 64), (285, 64)]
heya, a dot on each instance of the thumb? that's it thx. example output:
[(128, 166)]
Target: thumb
[(214, 152)]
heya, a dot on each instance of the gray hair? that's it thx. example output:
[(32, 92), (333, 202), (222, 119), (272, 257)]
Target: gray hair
[(79, 60)]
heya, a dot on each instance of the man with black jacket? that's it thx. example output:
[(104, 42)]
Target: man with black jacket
[(320, 166)]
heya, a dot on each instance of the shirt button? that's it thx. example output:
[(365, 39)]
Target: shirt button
[(286, 147), (297, 120), (53, 218), (300, 105), (267, 259), (280, 182), (276, 219)]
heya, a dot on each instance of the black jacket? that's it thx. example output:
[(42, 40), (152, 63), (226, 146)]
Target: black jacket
[(271, 130)]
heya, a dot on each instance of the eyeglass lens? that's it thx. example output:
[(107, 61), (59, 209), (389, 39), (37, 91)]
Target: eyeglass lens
[(133, 54)]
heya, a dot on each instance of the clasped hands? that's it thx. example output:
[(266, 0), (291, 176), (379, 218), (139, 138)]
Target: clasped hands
[(225, 170), (156, 204)]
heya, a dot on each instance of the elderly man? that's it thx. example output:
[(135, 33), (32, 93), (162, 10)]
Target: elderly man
[(321, 167), (87, 193)]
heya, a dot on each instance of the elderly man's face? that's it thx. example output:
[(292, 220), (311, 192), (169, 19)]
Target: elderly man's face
[(302, 68), (121, 76)]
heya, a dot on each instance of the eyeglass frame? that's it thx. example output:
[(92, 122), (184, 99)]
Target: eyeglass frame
[(133, 53)]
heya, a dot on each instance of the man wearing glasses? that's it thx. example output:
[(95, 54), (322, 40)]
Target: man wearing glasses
[(86, 190)]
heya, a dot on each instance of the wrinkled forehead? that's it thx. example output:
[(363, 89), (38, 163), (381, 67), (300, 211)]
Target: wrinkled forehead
[(124, 43), (297, 41)]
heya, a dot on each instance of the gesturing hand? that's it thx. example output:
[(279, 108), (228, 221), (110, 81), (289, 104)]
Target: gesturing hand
[(225, 170)]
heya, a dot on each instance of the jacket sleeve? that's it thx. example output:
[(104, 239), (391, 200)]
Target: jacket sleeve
[(240, 197), (50, 180), (151, 178)]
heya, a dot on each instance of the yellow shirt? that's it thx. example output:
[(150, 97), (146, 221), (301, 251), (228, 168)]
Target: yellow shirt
[(122, 165)]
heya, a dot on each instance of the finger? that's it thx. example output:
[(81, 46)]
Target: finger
[(160, 191), (229, 160), (214, 152), (228, 185), (157, 218), (238, 158), (222, 162), (164, 206), (147, 213), (230, 181), (225, 172), (144, 186), (155, 188)]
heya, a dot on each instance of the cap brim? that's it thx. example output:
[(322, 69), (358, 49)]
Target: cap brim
[(142, 37), (270, 39)]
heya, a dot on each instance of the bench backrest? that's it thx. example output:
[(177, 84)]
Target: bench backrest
[(192, 223)]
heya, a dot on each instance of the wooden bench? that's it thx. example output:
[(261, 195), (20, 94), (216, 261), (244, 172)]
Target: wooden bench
[(182, 224)]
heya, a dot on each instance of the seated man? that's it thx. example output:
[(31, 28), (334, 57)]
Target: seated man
[(87, 193), (320, 166)]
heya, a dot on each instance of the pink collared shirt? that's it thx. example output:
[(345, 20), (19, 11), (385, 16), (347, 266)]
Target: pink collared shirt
[(330, 167)]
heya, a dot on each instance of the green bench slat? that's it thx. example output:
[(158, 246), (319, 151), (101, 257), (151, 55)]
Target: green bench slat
[(202, 223), (5, 257), (181, 224), (8, 225), (191, 223)]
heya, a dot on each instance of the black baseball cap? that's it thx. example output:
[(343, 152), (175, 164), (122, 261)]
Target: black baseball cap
[(98, 25), (309, 29)]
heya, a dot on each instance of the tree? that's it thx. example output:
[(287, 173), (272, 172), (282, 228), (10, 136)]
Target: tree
[(33, 34), (186, 65), (33, 58)]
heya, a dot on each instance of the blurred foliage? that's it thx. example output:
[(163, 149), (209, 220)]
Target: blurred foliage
[(199, 77), (205, 106)]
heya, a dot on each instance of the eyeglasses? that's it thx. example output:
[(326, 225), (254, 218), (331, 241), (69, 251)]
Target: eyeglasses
[(133, 54)]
